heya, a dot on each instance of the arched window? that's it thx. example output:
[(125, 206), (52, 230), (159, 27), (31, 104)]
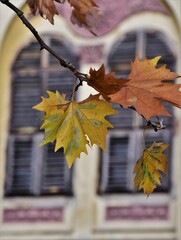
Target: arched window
[(125, 141), (34, 170)]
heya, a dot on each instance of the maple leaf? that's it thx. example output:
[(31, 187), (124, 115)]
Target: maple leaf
[(106, 84), (75, 124), (45, 7), (85, 13), (145, 89), (148, 166)]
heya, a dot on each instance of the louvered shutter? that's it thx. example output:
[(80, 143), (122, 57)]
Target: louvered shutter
[(56, 177), (26, 93), (27, 88), (156, 45), (29, 57), (115, 171), (24, 156), (123, 52)]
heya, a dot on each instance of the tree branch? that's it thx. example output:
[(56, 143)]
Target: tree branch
[(80, 76), (156, 125)]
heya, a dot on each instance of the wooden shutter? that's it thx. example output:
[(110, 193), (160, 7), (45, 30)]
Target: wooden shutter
[(26, 88), (56, 177), (116, 161), (122, 53), (28, 58), (157, 45), (26, 93), (24, 157)]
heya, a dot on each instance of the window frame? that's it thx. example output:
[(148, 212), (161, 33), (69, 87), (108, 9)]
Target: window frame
[(31, 132)]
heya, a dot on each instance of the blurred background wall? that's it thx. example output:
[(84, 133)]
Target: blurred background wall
[(40, 198)]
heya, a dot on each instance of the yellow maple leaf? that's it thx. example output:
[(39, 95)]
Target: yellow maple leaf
[(148, 166), (75, 124)]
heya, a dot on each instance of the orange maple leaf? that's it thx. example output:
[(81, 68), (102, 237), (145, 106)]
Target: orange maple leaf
[(146, 89), (106, 84)]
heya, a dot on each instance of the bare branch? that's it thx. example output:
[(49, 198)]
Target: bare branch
[(80, 76)]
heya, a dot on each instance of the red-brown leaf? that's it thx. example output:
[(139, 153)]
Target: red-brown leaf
[(106, 84)]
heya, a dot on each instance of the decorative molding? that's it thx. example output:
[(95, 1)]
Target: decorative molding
[(27, 215), (137, 212), (112, 13)]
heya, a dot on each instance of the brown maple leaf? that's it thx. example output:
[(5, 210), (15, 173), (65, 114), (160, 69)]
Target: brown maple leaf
[(85, 12), (146, 89), (106, 84), (46, 8)]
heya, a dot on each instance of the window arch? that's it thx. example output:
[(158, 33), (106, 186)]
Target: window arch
[(125, 141), (34, 170)]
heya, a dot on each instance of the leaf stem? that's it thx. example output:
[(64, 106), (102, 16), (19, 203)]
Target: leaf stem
[(73, 92)]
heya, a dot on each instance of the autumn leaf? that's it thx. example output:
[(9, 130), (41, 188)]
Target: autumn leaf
[(146, 89), (148, 167), (85, 13), (46, 8), (105, 84), (75, 124)]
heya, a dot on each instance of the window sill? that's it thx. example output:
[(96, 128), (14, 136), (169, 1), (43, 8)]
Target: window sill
[(156, 212)]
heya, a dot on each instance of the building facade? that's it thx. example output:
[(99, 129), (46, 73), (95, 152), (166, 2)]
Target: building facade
[(40, 198)]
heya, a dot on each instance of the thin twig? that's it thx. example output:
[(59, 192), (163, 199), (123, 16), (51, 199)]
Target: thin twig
[(156, 125), (80, 76)]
